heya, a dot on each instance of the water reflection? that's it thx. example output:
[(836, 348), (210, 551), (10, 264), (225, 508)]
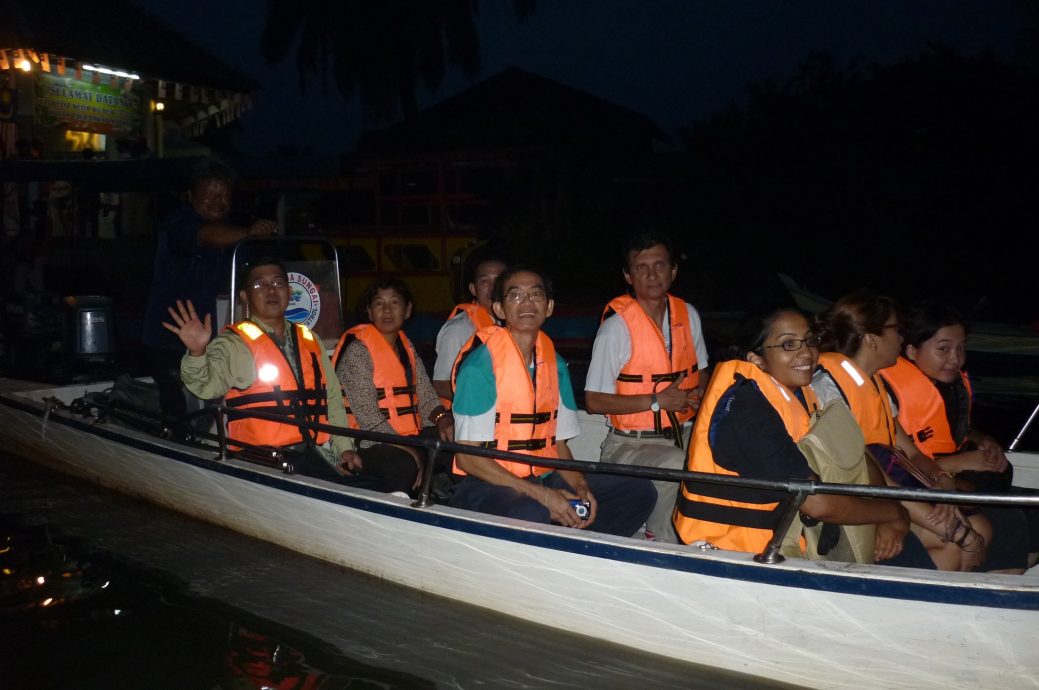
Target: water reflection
[(36, 573), (186, 591), (73, 619)]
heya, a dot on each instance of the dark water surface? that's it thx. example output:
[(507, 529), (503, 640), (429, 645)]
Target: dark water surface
[(135, 596)]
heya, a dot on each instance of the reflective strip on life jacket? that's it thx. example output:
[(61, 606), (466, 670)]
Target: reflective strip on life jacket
[(275, 389), (866, 396)]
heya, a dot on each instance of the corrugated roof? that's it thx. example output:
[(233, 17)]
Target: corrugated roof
[(114, 33)]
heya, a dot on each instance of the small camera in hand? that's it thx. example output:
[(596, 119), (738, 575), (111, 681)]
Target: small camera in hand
[(582, 508)]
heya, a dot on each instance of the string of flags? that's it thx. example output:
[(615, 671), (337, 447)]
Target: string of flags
[(216, 106)]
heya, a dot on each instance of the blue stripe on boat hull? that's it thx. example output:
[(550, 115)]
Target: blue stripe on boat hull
[(854, 584)]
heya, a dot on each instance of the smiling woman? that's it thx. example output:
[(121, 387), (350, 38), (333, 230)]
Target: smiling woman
[(766, 389)]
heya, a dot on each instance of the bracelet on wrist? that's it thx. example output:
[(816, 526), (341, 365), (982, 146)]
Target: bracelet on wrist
[(437, 416)]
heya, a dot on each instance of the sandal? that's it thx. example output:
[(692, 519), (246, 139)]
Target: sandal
[(964, 536)]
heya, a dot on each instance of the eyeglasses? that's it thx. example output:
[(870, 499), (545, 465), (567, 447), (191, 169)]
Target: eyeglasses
[(277, 284), (795, 344), (518, 296)]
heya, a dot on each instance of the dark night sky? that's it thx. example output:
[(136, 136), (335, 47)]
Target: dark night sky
[(674, 60)]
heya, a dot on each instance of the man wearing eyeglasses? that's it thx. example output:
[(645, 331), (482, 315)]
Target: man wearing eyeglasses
[(190, 265), (513, 393), (645, 372), (268, 364)]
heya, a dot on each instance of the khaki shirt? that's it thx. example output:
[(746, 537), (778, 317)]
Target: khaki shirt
[(228, 363)]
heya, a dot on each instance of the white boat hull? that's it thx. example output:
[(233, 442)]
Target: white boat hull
[(812, 624)]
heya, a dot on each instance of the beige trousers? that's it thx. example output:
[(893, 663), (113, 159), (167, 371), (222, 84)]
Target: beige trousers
[(651, 452)]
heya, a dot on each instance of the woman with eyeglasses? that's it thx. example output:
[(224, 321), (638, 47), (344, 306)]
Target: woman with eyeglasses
[(934, 398), (386, 389), (757, 407), (861, 335)]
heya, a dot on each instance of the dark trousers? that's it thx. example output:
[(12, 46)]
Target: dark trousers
[(624, 502), (388, 468), (914, 555), (164, 367)]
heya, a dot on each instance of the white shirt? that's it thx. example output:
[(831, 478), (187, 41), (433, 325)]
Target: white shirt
[(455, 333)]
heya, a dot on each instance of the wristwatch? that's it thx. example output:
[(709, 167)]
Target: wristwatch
[(654, 404)]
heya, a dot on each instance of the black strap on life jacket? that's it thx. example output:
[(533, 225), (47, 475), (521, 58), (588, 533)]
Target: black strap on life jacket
[(728, 515), (521, 444), (528, 418)]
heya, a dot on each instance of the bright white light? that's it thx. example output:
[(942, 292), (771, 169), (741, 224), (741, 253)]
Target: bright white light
[(41, 580), (268, 373), (25, 65), (113, 72)]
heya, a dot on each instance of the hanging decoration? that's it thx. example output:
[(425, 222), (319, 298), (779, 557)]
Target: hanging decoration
[(212, 107)]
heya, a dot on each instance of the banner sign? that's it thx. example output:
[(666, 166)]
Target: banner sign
[(82, 105)]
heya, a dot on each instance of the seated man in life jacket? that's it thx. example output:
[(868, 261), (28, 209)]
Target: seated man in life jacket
[(513, 393), (464, 320), (645, 372), (268, 364)]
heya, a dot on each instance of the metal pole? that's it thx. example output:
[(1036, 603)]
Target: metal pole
[(221, 431), (1031, 418), (771, 553), (427, 476)]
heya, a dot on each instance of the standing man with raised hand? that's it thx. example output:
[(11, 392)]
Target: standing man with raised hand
[(513, 393), (464, 320), (645, 372)]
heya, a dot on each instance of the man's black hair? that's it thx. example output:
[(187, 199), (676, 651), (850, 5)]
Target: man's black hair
[(211, 170), (481, 257), (498, 292), (246, 269), (642, 241)]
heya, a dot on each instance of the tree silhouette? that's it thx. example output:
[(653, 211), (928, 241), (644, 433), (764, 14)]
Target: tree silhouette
[(909, 178), (382, 50)]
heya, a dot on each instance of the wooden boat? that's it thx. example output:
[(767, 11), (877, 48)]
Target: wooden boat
[(814, 624)]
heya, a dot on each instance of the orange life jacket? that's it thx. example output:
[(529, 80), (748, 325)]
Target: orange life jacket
[(651, 368), (726, 523), (921, 409), (526, 407), (276, 389), (480, 317), (394, 387), (866, 397)]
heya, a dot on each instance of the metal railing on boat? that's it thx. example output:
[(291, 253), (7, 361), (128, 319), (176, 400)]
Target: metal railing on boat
[(796, 490)]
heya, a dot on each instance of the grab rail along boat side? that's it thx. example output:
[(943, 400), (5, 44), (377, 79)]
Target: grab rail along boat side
[(796, 490)]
